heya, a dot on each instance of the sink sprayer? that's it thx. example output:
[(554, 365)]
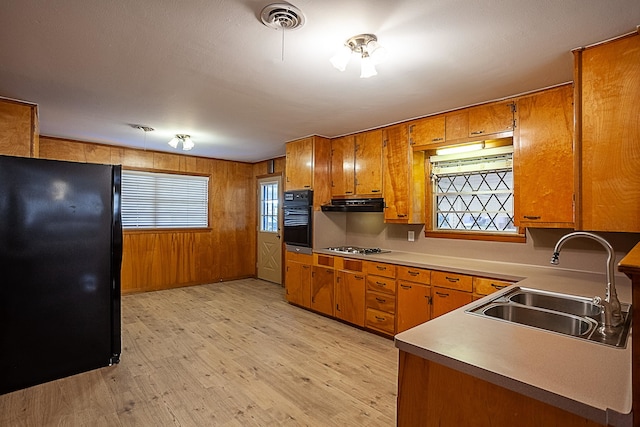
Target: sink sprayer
[(611, 310)]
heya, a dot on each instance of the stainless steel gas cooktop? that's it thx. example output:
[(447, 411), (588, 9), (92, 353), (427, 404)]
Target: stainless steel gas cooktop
[(357, 250)]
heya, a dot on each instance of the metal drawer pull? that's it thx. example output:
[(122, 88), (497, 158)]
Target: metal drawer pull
[(498, 287), (437, 139), (381, 268), (452, 279), (381, 284), (531, 217), (477, 132), (405, 286), (413, 273), (380, 319), (358, 277), (441, 294), (380, 300)]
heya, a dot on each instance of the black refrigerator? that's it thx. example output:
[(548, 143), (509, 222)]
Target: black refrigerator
[(60, 261)]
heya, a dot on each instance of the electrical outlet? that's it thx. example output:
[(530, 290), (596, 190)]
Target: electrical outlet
[(411, 236)]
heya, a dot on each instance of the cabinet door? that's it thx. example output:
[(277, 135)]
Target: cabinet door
[(543, 163), (322, 290), (343, 166), (445, 300), (18, 123), (350, 297), (414, 306), (396, 172), (457, 125), (299, 164), (608, 115), (491, 118), (430, 130), (298, 283), (368, 169)]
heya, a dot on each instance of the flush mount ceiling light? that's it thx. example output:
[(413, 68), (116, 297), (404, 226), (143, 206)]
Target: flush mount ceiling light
[(187, 143), (365, 45)]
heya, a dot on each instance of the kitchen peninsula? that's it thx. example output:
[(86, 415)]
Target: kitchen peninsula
[(499, 372)]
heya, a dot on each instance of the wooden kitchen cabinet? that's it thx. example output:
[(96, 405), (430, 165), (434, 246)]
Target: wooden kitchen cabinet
[(445, 300), (350, 297), (483, 286), (368, 163), (380, 297), (404, 178), (543, 160), (18, 128), (491, 118), (607, 79), (356, 165), (449, 291), (343, 166), (322, 289), (308, 166), (429, 130), (413, 296), (297, 278)]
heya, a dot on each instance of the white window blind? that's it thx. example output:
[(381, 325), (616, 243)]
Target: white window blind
[(160, 200)]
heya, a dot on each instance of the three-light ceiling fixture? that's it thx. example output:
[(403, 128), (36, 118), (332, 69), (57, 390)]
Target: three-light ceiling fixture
[(367, 47), (185, 140)]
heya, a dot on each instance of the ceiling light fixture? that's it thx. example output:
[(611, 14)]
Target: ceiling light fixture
[(365, 45), (187, 143)]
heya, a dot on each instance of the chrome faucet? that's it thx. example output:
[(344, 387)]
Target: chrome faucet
[(611, 310)]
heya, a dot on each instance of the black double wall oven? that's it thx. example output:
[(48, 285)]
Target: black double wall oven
[(298, 218)]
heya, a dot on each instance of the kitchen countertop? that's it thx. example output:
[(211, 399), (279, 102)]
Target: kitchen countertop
[(585, 378)]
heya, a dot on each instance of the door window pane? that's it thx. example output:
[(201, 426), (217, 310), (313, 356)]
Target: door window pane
[(269, 207)]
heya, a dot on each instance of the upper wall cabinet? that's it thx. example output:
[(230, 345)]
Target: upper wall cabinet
[(356, 165), (543, 159), (491, 118), (607, 115), (440, 129), (343, 155), (308, 167), (18, 128), (404, 178)]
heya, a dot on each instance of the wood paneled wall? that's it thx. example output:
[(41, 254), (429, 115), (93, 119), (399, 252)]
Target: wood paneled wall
[(165, 259)]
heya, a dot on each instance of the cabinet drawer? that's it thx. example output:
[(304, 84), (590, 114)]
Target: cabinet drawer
[(382, 302), (380, 269), (412, 274), (381, 284), (460, 282), (381, 321), (298, 257), (484, 286)]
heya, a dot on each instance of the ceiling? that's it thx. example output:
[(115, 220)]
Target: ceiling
[(211, 69)]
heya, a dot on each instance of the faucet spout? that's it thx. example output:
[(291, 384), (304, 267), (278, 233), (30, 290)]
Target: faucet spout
[(612, 311)]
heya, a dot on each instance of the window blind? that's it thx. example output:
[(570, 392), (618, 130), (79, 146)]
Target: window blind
[(160, 200), (491, 159)]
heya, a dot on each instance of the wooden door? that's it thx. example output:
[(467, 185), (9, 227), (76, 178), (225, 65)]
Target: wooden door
[(430, 130), (350, 297), (414, 305), (543, 160), (491, 118), (445, 300), (269, 225), (298, 283), (322, 290), (608, 129), (299, 164), (343, 166), (368, 161), (396, 172)]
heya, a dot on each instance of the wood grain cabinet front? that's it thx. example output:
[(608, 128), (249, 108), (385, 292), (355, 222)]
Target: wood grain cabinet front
[(483, 286), (356, 165), (350, 297), (297, 279), (308, 165), (322, 290), (491, 118), (413, 305)]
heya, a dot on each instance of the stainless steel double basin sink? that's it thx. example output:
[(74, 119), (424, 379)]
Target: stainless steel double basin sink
[(569, 315)]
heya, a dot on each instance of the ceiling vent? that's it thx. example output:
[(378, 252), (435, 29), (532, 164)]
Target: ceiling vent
[(282, 16)]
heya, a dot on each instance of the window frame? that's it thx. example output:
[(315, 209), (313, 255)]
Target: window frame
[(430, 214), (170, 228)]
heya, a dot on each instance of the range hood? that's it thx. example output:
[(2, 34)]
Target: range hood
[(354, 205)]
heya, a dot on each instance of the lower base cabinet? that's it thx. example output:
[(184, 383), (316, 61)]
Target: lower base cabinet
[(430, 395), (322, 291), (350, 295), (297, 279)]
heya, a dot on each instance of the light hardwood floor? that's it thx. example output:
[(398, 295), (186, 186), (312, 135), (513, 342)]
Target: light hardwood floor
[(223, 354)]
